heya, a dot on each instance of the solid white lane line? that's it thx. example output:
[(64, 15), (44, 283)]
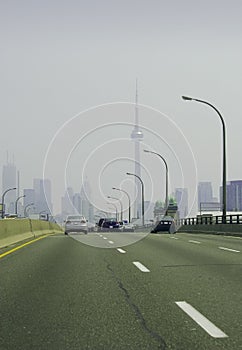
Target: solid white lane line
[(111, 242), (230, 250), (203, 322), (140, 266), (121, 251), (234, 237), (196, 242)]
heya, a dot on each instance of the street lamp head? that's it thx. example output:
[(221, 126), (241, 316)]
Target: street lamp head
[(114, 188), (110, 197), (187, 98), (129, 174), (147, 151)]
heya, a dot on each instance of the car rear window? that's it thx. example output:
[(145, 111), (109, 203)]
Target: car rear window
[(75, 217)]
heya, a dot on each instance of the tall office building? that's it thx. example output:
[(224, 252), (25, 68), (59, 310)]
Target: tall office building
[(86, 206), (205, 193), (181, 195), (77, 202), (234, 195), (9, 180), (42, 189), (137, 136), (67, 202), (28, 200), (149, 211)]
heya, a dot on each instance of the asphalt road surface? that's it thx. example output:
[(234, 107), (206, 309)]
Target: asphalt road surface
[(179, 291)]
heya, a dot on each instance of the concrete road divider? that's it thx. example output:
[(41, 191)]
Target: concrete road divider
[(16, 230)]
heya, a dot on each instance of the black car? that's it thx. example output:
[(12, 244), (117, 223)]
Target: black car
[(165, 225), (110, 225), (99, 224)]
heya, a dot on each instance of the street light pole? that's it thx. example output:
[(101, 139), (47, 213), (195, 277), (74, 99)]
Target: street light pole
[(118, 189), (121, 205), (186, 98), (26, 207), (3, 196), (142, 195), (16, 203), (159, 155)]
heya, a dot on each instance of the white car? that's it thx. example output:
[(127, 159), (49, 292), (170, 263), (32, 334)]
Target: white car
[(76, 223), (128, 226)]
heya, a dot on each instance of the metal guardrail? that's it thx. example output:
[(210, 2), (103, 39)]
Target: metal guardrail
[(211, 220)]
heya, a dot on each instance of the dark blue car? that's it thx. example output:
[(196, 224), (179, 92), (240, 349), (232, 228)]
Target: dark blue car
[(110, 225), (165, 225)]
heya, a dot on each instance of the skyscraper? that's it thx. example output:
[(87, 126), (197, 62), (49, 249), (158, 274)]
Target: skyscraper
[(77, 202), (205, 193), (29, 198), (42, 190), (234, 195), (181, 195), (9, 179), (86, 206), (67, 202), (137, 136)]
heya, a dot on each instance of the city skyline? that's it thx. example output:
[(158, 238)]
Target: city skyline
[(40, 194), (51, 72)]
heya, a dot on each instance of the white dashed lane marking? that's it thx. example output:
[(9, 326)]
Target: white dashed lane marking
[(203, 322), (111, 242), (229, 250), (140, 266), (196, 242), (121, 251)]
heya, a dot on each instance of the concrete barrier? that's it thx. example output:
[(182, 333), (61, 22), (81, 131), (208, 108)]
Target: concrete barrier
[(16, 230), (218, 229)]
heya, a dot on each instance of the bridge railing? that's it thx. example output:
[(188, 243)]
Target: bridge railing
[(211, 220)]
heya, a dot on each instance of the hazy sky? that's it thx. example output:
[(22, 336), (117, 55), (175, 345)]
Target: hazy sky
[(60, 58)]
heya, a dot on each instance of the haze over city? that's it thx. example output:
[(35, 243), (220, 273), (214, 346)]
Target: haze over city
[(68, 76), (120, 219)]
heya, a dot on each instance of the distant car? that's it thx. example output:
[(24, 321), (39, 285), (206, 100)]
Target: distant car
[(76, 223), (166, 224), (110, 225), (101, 221), (128, 226), (91, 227), (99, 224)]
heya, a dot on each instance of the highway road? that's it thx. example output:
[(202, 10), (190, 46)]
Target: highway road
[(179, 291)]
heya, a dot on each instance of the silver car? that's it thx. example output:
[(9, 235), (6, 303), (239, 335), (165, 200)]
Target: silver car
[(76, 223), (127, 226)]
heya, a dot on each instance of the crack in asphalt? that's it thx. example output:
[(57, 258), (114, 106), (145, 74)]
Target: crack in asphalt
[(138, 314)]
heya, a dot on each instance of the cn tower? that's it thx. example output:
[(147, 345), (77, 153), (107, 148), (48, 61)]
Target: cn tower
[(137, 136)]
